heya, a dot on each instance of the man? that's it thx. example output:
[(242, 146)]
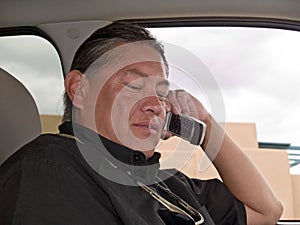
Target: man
[(102, 168)]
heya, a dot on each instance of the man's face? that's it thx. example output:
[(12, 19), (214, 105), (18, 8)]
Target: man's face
[(131, 106)]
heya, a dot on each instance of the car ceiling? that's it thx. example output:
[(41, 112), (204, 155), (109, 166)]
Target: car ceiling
[(59, 19), (34, 12)]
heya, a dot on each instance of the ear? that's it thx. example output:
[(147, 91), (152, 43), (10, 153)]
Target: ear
[(73, 87)]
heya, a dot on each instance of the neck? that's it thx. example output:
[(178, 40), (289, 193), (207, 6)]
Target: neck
[(148, 153)]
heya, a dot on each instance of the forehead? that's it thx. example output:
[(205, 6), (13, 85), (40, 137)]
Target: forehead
[(137, 58), (127, 54), (145, 69)]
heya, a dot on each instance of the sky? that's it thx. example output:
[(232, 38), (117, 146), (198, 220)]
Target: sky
[(256, 72), (35, 62)]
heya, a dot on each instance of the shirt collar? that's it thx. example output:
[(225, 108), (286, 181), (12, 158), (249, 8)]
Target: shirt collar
[(136, 160)]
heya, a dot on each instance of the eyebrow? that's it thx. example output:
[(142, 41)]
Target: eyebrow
[(137, 72), (141, 74)]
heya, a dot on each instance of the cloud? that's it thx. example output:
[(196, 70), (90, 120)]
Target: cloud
[(34, 62), (257, 71)]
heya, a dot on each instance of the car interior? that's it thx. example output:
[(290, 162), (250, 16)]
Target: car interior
[(39, 38)]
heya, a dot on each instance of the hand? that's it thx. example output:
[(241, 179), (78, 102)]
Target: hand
[(180, 101)]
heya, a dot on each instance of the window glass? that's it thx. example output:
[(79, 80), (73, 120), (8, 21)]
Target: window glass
[(35, 62), (257, 71)]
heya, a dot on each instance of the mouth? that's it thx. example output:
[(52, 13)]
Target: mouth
[(147, 126)]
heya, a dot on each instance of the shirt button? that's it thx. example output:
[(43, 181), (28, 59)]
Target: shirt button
[(136, 157)]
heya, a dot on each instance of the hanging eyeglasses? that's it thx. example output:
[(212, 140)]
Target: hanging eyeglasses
[(193, 217), (172, 214)]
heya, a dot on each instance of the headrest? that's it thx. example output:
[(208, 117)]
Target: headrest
[(19, 116)]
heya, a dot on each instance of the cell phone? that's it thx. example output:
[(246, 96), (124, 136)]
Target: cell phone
[(185, 127)]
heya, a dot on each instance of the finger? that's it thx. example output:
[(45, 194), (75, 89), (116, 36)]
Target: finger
[(168, 106), (175, 107), (198, 111), (183, 101), (192, 104)]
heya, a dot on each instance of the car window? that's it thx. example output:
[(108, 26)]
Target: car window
[(241, 75), (257, 72), (35, 62)]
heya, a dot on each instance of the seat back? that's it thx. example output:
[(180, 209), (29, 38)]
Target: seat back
[(19, 116)]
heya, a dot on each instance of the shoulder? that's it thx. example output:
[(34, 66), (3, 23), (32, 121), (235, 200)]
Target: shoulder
[(48, 174), (47, 161), (48, 149)]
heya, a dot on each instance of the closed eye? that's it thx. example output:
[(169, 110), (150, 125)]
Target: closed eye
[(134, 87)]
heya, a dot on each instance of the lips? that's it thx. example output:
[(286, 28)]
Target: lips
[(153, 126), (148, 126)]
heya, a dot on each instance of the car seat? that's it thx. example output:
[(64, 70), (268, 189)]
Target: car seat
[(19, 116)]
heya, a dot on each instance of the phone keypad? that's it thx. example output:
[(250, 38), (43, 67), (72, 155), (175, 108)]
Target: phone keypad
[(181, 126)]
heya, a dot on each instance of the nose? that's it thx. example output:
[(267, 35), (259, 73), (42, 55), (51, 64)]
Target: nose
[(152, 105)]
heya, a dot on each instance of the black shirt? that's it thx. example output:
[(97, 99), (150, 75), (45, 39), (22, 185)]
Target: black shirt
[(49, 181)]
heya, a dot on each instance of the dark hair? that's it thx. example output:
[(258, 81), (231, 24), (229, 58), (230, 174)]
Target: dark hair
[(103, 40)]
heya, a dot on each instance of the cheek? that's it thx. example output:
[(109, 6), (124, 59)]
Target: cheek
[(106, 98), (123, 104), (120, 108), (103, 109)]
